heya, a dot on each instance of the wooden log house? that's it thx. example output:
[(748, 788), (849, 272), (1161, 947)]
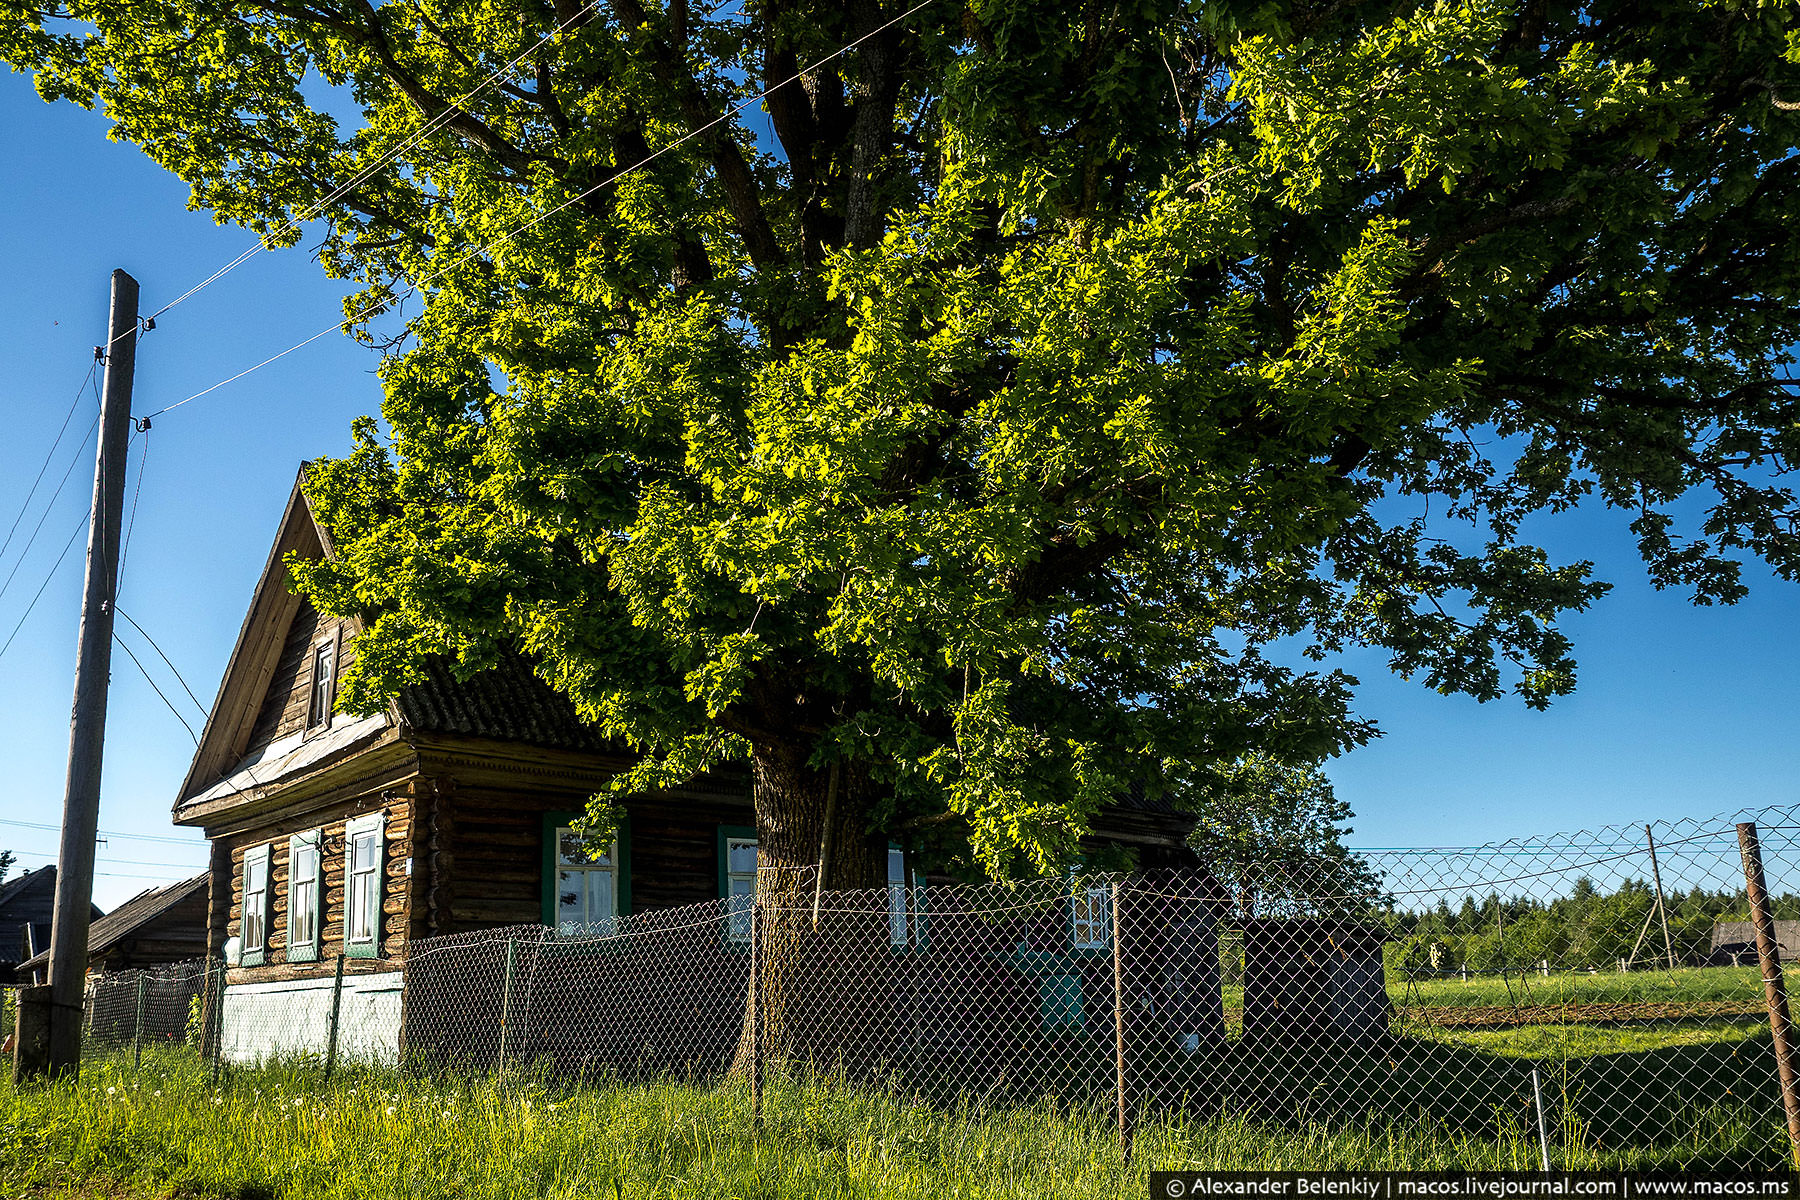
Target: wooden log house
[(449, 812)]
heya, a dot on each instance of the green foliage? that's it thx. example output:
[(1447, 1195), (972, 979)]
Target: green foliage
[(1583, 929), (1054, 371), (1273, 836), (6, 864)]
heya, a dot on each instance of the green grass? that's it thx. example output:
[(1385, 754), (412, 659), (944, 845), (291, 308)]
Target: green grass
[(278, 1131), (1636, 987), (1578, 1040)]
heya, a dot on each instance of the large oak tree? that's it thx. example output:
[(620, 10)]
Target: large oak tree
[(991, 421)]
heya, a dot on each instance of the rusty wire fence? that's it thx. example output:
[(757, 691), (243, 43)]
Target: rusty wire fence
[(1595, 1000)]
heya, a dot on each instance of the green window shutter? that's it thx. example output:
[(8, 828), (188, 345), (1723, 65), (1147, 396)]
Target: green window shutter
[(364, 877)]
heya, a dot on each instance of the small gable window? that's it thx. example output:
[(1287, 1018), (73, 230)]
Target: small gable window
[(254, 931), (324, 679)]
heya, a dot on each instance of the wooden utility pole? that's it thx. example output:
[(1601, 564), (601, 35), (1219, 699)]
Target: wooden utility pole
[(93, 667), (1768, 951)]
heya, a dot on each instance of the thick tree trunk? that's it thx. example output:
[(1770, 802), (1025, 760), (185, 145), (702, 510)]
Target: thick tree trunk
[(792, 801)]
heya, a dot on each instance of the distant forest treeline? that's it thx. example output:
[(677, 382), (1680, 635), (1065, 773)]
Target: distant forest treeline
[(1586, 928)]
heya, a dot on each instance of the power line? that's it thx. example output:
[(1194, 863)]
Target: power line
[(52, 575), (31, 541), (436, 123), (165, 658), (137, 492), (122, 862), (109, 833), (414, 287), (50, 454), (159, 692)]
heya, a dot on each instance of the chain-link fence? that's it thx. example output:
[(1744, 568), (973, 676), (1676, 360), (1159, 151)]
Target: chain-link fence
[(1598, 1000)]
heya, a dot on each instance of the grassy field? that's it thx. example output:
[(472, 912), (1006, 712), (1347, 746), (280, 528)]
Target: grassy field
[(1647, 987), (168, 1131)]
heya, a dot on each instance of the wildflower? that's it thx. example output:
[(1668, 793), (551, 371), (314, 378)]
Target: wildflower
[(111, 1090), (390, 1110)]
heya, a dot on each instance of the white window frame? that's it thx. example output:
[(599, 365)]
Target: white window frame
[(254, 954), (737, 913), (363, 898), (1090, 929), (305, 895), (318, 709), (606, 924)]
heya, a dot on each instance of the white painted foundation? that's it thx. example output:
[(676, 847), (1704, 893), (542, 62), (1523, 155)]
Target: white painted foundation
[(293, 1017)]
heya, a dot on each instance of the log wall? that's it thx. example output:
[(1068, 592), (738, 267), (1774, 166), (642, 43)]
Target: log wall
[(397, 882)]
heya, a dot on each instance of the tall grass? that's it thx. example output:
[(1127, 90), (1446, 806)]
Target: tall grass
[(277, 1131)]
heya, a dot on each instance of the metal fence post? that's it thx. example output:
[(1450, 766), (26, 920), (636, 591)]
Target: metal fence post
[(137, 1033), (1118, 957), (506, 998), (1774, 988), (755, 1014), (331, 1037)]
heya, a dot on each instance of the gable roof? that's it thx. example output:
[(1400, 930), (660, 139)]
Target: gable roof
[(508, 703), (273, 605), (129, 917), (17, 887)]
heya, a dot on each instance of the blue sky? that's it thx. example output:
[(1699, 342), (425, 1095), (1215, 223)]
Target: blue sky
[(1681, 711)]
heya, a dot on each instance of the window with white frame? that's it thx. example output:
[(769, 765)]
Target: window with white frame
[(587, 884), (254, 929), (306, 883), (362, 885), (324, 679), (740, 886), (1090, 915)]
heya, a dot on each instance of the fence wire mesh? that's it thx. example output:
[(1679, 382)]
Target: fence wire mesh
[(1590, 1000)]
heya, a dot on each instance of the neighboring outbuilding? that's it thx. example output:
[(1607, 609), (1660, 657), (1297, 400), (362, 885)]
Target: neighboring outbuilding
[(1734, 942), (155, 927), (449, 812), (26, 906)]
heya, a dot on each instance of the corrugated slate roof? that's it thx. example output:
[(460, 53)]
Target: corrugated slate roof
[(508, 703)]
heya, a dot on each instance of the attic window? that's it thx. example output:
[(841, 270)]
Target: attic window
[(318, 708)]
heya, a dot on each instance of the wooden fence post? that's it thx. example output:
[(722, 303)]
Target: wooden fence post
[(1125, 1106), (331, 1036), (1774, 988)]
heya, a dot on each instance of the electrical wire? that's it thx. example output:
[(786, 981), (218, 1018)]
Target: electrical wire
[(50, 454), (192, 736), (159, 650), (52, 575), (122, 862), (107, 833), (449, 114), (125, 550), (31, 541), (413, 288)]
